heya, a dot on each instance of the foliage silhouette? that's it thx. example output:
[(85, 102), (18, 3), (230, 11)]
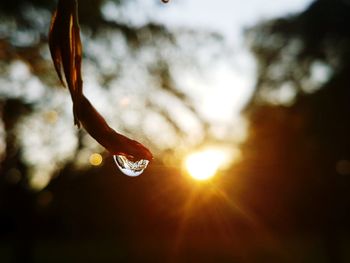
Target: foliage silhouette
[(297, 153)]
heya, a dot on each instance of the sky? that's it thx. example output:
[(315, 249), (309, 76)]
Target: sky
[(228, 84), (227, 17)]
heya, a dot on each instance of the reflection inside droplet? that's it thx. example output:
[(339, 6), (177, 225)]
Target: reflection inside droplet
[(129, 167)]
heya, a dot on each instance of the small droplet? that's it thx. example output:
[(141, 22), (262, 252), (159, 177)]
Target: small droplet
[(129, 167), (165, 1)]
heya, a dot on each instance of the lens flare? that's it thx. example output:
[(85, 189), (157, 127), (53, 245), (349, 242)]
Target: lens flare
[(205, 164)]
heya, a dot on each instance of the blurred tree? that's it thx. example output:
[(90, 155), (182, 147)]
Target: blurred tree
[(131, 63), (298, 151), (114, 52), (16, 205)]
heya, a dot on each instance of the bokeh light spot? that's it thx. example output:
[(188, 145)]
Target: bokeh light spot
[(95, 159)]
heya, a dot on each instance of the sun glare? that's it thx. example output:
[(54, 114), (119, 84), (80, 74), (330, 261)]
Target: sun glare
[(205, 164)]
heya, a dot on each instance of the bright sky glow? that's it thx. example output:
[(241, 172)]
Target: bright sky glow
[(228, 84), (227, 17)]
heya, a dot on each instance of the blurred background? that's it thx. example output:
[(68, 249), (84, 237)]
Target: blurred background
[(245, 106)]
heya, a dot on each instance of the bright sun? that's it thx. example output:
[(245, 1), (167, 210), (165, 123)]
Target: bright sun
[(204, 165)]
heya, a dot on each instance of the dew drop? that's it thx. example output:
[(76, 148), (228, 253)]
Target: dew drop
[(130, 167), (165, 1)]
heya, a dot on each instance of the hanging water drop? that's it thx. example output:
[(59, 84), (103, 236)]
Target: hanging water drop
[(165, 1), (130, 167)]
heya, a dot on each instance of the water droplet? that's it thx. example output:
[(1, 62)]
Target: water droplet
[(165, 1), (130, 167)]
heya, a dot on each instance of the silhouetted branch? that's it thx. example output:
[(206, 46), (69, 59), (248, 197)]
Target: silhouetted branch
[(66, 52)]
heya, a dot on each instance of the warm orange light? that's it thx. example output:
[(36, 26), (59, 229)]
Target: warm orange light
[(95, 159), (205, 164)]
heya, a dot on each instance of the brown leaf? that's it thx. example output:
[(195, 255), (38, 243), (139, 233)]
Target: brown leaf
[(66, 52)]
